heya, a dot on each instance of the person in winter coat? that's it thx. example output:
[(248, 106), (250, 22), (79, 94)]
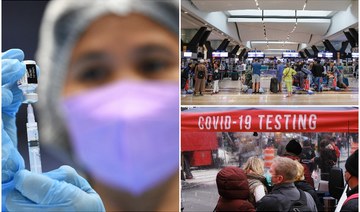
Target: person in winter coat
[(300, 183), (233, 189), (293, 151), (326, 160), (352, 179), (254, 169), (307, 154), (283, 172)]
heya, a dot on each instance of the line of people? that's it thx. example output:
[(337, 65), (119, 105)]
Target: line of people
[(316, 75), (246, 188)]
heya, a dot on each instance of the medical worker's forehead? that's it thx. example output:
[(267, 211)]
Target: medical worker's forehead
[(121, 34)]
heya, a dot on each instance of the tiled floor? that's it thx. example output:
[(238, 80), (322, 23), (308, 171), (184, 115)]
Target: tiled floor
[(230, 95)]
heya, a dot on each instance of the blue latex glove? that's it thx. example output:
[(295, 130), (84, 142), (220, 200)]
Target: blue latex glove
[(58, 190), (12, 70)]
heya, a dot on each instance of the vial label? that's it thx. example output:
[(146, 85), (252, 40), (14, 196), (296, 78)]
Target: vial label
[(31, 74)]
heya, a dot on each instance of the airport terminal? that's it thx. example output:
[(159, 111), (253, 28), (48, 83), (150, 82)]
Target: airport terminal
[(304, 52)]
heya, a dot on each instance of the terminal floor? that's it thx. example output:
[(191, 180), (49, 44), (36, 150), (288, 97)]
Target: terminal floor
[(230, 95)]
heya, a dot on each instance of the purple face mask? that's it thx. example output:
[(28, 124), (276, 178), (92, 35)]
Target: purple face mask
[(126, 134)]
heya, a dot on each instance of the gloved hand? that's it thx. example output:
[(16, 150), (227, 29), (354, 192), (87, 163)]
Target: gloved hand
[(11, 160), (58, 190), (12, 70)]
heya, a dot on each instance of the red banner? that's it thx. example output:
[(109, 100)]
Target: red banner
[(253, 120)]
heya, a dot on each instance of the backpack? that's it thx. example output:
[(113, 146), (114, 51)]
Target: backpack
[(300, 204), (216, 75), (201, 74), (354, 196)]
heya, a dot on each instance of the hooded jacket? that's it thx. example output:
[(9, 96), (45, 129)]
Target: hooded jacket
[(233, 189)]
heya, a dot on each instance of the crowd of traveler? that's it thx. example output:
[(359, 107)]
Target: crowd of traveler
[(291, 187), (316, 75)]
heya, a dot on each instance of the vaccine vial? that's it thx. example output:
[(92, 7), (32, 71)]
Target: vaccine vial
[(29, 82)]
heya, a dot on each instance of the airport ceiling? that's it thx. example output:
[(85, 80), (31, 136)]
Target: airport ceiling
[(272, 24)]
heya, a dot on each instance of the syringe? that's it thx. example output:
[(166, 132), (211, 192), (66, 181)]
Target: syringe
[(33, 141)]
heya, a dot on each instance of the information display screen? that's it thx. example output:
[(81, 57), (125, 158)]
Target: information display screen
[(325, 54), (187, 54), (290, 54), (220, 54), (256, 54)]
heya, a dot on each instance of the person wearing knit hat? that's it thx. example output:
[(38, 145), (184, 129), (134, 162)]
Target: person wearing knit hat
[(233, 189), (352, 179), (294, 147), (108, 85), (293, 151)]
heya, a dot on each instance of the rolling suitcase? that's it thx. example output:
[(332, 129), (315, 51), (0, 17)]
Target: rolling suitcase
[(234, 75), (346, 81), (274, 85)]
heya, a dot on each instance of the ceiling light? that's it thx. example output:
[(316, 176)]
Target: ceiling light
[(272, 42), (288, 13)]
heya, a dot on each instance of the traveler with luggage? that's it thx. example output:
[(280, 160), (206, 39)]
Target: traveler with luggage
[(339, 76), (288, 74), (317, 71), (256, 68), (200, 78), (279, 74), (216, 77)]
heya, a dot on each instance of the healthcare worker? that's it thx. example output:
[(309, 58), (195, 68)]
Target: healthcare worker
[(108, 89)]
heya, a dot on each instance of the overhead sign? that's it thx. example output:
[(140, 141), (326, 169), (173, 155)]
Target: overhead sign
[(187, 54), (256, 54), (271, 120), (220, 54), (290, 54), (325, 54)]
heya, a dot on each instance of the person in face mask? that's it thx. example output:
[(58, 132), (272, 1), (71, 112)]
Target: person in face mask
[(352, 179), (108, 89), (284, 193)]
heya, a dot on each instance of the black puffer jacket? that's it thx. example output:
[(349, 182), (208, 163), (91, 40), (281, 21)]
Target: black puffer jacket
[(326, 160), (233, 189)]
